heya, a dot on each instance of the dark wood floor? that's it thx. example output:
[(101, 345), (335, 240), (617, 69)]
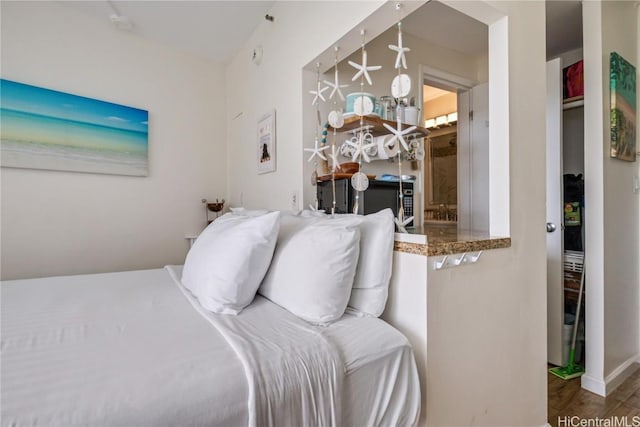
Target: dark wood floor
[(567, 399)]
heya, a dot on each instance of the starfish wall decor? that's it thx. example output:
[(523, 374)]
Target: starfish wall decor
[(318, 93), (363, 70), (316, 151), (335, 85), (401, 60)]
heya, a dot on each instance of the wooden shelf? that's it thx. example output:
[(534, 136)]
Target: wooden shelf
[(376, 122), (575, 102)]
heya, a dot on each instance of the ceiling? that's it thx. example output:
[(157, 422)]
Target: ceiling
[(444, 26), (564, 26), (216, 30)]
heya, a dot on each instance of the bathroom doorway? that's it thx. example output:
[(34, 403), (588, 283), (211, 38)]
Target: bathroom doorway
[(440, 108), (456, 166)]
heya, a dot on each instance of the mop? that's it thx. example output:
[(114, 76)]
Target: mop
[(572, 370)]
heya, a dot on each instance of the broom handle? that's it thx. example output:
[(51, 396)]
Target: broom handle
[(575, 325)]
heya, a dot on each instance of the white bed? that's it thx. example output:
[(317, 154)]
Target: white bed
[(135, 349)]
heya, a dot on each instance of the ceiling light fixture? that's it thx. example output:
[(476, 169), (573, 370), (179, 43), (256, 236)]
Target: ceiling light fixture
[(443, 120)]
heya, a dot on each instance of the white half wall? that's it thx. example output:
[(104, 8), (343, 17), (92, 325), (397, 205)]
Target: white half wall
[(487, 321), (57, 223)]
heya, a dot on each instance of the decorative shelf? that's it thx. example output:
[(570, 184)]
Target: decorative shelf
[(353, 123), (575, 102)]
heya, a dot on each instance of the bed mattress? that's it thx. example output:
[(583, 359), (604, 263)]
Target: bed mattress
[(131, 348)]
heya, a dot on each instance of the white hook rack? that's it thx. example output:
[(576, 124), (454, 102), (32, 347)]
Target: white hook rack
[(448, 262)]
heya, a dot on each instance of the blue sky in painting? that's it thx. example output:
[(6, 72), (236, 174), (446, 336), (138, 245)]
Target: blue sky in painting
[(51, 103)]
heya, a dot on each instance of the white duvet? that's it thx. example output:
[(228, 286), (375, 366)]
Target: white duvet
[(128, 349), (293, 371)]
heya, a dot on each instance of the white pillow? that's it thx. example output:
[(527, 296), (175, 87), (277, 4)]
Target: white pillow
[(313, 267), (248, 212), (227, 262), (307, 213), (371, 284)]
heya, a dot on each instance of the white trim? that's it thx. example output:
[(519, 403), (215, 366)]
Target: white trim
[(594, 197), (499, 179), (613, 380), (594, 385), (621, 373), (449, 80)]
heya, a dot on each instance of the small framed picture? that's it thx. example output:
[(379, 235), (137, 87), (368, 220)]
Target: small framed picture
[(267, 143)]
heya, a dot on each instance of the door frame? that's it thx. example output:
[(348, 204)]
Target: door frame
[(431, 76)]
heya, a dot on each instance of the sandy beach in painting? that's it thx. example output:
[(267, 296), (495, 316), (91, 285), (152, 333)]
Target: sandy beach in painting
[(33, 155), (44, 129), (625, 147), (39, 142)]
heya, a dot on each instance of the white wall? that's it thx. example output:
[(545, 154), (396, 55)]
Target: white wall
[(572, 125), (67, 223), (301, 30), (612, 215), (573, 140), (487, 321), (621, 280)]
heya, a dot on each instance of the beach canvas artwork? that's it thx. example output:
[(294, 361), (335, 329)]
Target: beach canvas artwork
[(46, 129), (623, 109)]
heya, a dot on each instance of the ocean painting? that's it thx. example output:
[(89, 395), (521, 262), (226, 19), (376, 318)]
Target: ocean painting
[(46, 129), (623, 109)]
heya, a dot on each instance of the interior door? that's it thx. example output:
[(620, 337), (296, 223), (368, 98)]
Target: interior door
[(555, 285), (473, 158)]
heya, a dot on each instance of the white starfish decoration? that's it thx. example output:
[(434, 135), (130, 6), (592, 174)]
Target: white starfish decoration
[(400, 58), (398, 134), (360, 148), (316, 151), (336, 86), (318, 94), (402, 224), (335, 163), (364, 69)]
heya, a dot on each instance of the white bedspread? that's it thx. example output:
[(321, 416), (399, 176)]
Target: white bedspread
[(294, 373), (118, 349), (128, 349)]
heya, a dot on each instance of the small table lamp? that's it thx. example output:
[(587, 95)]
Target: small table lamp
[(215, 207)]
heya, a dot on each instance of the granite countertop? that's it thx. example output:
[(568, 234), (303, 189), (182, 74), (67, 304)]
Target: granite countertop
[(445, 239)]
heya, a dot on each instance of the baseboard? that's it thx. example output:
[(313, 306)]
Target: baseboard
[(613, 380), (621, 373), (594, 385)]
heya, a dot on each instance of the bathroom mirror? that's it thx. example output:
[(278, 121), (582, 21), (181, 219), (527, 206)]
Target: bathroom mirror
[(441, 174)]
